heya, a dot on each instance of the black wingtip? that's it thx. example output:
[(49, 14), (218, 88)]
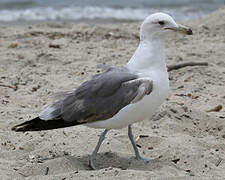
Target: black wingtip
[(28, 125), (38, 124)]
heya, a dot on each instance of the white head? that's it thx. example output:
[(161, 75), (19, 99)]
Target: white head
[(157, 24)]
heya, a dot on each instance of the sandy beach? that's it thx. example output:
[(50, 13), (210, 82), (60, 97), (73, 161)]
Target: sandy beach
[(187, 133)]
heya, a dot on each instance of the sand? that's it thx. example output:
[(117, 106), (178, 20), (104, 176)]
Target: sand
[(41, 59)]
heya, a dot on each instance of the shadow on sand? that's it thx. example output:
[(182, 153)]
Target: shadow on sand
[(67, 163)]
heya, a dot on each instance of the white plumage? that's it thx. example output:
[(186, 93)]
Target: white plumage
[(147, 62), (120, 96)]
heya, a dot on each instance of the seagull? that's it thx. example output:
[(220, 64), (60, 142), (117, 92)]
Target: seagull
[(119, 96)]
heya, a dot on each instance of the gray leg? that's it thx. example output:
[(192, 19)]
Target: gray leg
[(137, 154), (93, 155)]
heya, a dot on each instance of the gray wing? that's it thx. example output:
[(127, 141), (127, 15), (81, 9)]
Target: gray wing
[(100, 98)]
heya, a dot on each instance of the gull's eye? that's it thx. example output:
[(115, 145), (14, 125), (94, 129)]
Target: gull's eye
[(161, 22)]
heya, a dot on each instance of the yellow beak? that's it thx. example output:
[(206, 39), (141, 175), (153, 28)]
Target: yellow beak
[(181, 29)]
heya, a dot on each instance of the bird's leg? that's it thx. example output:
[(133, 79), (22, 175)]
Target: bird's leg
[(94, 153), (137, 154)]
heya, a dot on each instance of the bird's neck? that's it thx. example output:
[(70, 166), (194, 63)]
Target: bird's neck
[(148, 56)]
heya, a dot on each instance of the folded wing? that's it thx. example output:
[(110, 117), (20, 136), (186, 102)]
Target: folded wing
[(98, 99)]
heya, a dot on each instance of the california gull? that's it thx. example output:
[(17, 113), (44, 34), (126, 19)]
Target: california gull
[(120, 96)]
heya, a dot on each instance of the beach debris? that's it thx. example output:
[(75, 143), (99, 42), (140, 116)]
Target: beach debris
[(35, 88), (9, 86), (54, 46), (218, 162), (160, 156), (35, 159), (139, 137), (215, 109), (143, 136), (186, 116), (173, 110), (192, 96), (13, 45), (180, 87), (66, 153), (65, 133), (188, 95), (5, 101), (176, 160), (9, 145), (21, 148), (182, 65), (31, 158), (46, 170), (180, 95), (138, 145)]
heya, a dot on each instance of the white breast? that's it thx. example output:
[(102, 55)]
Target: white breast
[(141, 110)]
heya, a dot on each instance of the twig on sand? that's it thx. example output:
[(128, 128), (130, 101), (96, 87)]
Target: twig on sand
[(46, 170), (182, 65), (218, 162), (216, 109), (9, 86)]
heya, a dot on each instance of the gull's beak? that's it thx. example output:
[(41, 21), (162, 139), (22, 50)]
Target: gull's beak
[(181, 29)]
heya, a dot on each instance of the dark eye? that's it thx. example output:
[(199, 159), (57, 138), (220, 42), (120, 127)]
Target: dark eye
[(161, 22)]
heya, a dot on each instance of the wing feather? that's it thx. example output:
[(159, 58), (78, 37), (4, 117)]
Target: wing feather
[(100, 98)]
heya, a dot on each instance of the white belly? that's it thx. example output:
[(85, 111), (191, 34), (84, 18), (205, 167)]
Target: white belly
[(139, 111)]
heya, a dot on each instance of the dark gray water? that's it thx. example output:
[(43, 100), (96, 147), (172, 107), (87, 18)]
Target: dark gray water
[(41, 10)]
